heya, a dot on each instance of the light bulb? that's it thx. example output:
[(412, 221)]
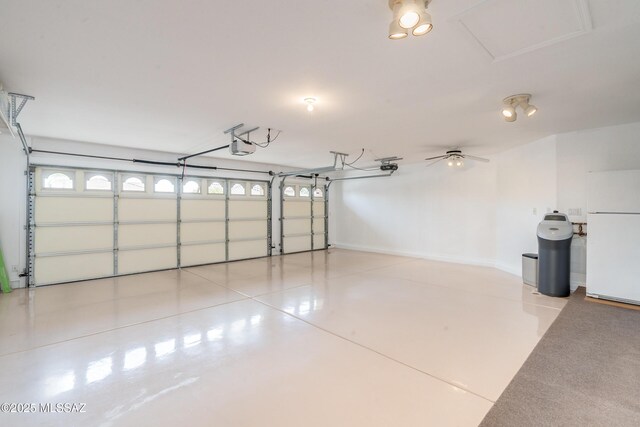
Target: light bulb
[(459, 163), (396, 32), (450, 163), (530, 110), (310, 102), (423, 29), (508, 111), (409, 14), (424, 24), (409, 19)]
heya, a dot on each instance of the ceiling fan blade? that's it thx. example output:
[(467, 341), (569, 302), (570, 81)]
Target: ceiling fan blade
[(437, 157), (436, 161), (480, 159)]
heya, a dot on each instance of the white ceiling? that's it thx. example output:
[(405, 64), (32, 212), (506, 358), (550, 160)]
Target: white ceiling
[(172, 75)]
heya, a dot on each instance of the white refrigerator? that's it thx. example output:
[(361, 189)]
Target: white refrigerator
[(613, 240)]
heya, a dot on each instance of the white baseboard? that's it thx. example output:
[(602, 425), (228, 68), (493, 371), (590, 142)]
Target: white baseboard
[(422, 255), (516, 271)]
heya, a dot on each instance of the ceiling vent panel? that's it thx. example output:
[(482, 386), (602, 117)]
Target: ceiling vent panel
[(508, 28)]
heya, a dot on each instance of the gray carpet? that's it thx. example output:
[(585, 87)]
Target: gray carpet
[(585, 371)]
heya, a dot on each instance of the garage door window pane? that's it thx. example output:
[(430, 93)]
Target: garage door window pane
[(133, 183), (164, 185), (257, 190), (191, 187), (215, 188), (304, 192), (58, 181), (99, 182), (318, 193), (238, 190), (290, 192)]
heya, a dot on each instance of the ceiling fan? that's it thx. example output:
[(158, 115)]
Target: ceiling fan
[(455, 158)]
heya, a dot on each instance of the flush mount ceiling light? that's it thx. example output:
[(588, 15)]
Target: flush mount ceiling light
[(409, 15), (512, 102), (310, 101)]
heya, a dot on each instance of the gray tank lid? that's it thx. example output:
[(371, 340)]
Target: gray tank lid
[(555, 226)]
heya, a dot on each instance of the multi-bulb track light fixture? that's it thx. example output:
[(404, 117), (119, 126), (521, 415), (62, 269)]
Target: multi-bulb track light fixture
[(409, 15), (511, 102)]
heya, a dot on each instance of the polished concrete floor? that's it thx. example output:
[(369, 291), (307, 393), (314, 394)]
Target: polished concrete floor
[(329, 338)]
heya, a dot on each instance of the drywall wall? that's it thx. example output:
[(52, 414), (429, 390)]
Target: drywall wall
[(433, 212), (443, 214), (12, 206), (581, 152), (526, 183), (13, 182)]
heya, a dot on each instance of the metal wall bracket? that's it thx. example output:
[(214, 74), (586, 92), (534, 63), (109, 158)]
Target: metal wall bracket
[(234, 135), (15, 105)]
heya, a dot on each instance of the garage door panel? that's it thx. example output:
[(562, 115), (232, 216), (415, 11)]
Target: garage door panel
[(318, 241), (297, 244), (318, 225), (69, 268), (297, 208), (247, 229), (67, 239), (73, 237), (202, 231), (202, 209), (138, 261), (297, 226), (147, 209), (73, 209), (242, 209), (247, 249), (146, 234), (318, 208), (202, 254)]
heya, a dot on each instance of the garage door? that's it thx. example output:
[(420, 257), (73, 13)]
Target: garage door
[(91, 224), (223, 220), (146, 222), (72, 225), (304, 217)]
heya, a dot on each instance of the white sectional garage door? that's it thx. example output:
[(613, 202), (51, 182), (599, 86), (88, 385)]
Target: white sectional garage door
[(91, 224), (304, 217), (72, 226), (147, 218)]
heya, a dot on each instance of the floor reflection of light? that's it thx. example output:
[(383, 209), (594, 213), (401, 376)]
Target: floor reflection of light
[(60, 383), (255, 320), (238, 325), (99, 369), (191, 340), (135, 358), (304, 308), (317, 304), (214, 334), (290, 310), (165, 347)]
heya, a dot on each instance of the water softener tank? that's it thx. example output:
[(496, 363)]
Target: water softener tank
[(554, 254)]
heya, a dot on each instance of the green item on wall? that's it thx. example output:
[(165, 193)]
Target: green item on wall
[(4, 277)]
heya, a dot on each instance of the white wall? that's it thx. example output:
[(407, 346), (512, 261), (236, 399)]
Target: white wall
[(434, 212), (13, 183), (526, 182), (609, 148), (487, 214), (12, 205)]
